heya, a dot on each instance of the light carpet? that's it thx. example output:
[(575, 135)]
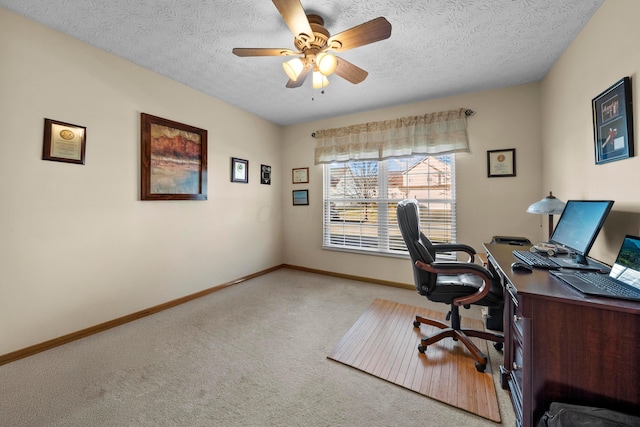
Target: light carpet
[(251, 355), (383, 343)]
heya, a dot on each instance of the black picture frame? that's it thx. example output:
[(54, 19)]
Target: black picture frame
[(300, 197), (239, 170), (613, 123), (501, 163), (265, 174)]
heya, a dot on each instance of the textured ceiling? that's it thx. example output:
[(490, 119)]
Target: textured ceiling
[(437, 48)]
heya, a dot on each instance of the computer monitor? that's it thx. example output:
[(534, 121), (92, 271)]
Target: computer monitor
[(579, 225)]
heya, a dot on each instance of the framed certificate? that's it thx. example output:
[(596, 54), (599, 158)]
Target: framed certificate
[(300, 175), (501, 163), (64, 142)]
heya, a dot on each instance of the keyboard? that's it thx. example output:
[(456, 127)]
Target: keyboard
[(604, 282), (534, 259)]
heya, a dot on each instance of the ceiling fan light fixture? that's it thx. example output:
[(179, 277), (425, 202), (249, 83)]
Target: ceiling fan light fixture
[(313, 43), (293, 68), (319, 80), (326, 63)]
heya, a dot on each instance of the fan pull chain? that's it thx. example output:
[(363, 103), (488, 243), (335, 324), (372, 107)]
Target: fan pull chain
[(313, 98)]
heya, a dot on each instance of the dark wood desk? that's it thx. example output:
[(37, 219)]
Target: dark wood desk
[(561, 345)]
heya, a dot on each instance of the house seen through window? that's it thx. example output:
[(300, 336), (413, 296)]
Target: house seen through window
[(360, 199)]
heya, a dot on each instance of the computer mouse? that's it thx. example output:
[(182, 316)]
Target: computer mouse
[(521, 266)]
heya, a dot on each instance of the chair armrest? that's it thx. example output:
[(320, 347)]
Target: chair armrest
[(443, 267), (456, 247)]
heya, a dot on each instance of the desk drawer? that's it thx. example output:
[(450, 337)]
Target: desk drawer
[(515, 382), (516, 368), (516, 320)]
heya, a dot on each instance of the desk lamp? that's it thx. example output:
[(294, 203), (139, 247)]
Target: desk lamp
[(551, 206)]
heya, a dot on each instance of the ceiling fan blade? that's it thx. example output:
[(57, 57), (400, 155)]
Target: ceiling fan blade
[(248, 51), (350, 72), (369, 32), (301, 78), (294, 16)]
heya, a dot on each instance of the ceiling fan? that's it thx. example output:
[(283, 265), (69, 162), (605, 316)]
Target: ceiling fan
[(313, 43)]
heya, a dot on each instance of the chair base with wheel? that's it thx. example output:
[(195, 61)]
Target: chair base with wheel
[(458, 334)]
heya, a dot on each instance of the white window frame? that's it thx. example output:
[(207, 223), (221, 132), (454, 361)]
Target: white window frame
[(386, 225)]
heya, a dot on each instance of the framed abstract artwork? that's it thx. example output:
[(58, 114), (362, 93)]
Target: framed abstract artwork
[(300, 197), (174, 160)]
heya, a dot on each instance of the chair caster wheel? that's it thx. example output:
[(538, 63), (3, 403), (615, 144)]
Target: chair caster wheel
[(498, 346), (480, 367), (422, 349), (416, 324)]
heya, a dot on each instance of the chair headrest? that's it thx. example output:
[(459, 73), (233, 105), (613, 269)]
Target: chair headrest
[(409, 218), (408, 215)]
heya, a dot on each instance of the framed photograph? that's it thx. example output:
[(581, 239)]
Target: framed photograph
[(300, 197), (300, 175), (174, 160), (64, 142), (501, 163), (265, 174), (239, 170), (613, 123)]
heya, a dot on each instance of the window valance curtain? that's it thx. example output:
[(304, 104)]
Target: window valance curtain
[(436, 133)]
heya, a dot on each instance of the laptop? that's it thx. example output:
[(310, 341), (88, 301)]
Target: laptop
[(623, 280)]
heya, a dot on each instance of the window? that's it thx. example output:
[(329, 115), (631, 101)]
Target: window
[(360, 199)]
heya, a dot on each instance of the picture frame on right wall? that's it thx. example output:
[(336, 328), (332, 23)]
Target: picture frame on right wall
[(501, 163), (613, 123)]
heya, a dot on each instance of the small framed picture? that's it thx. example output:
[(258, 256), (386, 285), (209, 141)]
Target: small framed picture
[(239, 170), (64, 142), (265, 174), (613, 123), (300, 175), (501, 163), (300, 197)]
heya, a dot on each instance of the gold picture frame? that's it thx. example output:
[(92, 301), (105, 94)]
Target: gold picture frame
[(64, 142), (173, 160)]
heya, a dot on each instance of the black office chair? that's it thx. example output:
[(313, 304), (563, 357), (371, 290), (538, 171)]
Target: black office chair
[(450, 282)]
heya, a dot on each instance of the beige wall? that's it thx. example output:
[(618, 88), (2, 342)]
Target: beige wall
[(603, 53), (505, 118), (77, 246)]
